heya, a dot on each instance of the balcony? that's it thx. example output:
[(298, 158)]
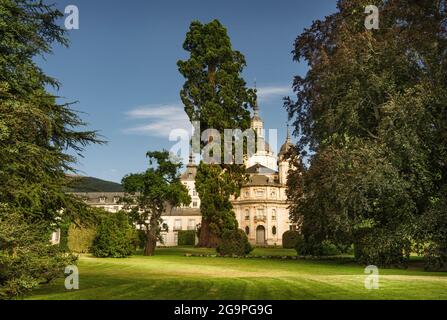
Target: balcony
[(260, 219)]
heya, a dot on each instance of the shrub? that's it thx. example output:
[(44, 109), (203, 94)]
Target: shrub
[(370, 248), (234, 242), (319, 248), (115, 237), (186, 237), (329, 249), (290, 239), (80, 238)]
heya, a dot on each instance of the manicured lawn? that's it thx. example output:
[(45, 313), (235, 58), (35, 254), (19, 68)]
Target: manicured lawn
[(171, 275)]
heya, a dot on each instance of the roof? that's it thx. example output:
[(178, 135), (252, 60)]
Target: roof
[(181, 211), (285, 147), (189, 174), (262, 180), (92, 197), (260, 169)]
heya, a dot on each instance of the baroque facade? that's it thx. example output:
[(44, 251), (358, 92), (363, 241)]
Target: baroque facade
[(261, 210)]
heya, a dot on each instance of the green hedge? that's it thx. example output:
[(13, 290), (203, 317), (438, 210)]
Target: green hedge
[(290, 239), (115, 237), (234, 242), (80, 239), (187, 238)]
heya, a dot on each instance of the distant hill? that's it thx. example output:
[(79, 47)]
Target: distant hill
[(90, 184)]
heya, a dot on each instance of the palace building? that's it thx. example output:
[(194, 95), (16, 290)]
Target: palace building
[(261, 210)]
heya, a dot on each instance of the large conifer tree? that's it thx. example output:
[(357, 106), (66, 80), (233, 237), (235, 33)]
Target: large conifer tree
[(36, 134), (216, 96)]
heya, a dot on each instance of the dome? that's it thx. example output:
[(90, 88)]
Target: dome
[(287, 145)]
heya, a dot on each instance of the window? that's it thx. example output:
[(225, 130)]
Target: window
[(116, 199), (102, 199), (274, 230), (260, 213), (191, 224), (194, 192), (247, 214), (247, 194), (178, 224), (273, 194), (194, 204), (247, 230), (273, 214), (56, 237)]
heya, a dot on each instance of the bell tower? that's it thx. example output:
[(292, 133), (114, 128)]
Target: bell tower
[(283, 163)]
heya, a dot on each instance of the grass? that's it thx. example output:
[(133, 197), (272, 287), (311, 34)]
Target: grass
[(171, 275)]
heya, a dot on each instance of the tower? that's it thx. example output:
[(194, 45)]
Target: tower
[(263, 155), (283, 163)]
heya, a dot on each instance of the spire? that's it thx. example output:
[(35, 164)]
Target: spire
[(287, 145), (288, 140), (256, 107)]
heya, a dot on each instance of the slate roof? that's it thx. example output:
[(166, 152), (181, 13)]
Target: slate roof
[(260, 169)]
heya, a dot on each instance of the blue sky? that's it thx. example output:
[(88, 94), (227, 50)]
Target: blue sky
[(121, 67)]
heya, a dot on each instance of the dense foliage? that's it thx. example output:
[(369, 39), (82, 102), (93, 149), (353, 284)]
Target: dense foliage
[(290, 239), (80, 237), (215, 95), (234, 242), (372, 111), (186, 237), (38, 144), (215, 186), (26, 257), (151, 193), (115, 237)]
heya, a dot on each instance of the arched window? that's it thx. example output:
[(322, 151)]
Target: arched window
[(274, 230), (247, 230)]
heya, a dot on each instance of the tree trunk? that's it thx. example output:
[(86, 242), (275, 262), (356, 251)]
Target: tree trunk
[(151, 235), (207, 239), (151, 243)]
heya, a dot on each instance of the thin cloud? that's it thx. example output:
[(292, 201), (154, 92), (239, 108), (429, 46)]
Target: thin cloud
[(273, 92), (160, 120)]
